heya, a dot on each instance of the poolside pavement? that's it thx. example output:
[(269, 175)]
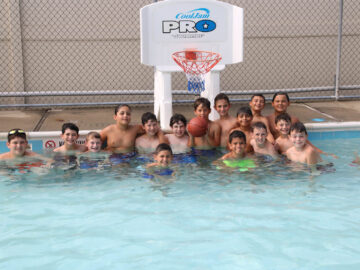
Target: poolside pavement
[(98, 118)]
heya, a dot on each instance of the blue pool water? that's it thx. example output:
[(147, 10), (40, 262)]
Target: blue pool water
[(275, 217)]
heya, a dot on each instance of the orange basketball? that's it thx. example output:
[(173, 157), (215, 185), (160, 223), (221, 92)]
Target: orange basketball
[(190, 55), (197, 126)]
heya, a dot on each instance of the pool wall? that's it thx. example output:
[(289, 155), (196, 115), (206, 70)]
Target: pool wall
[(48, 140)]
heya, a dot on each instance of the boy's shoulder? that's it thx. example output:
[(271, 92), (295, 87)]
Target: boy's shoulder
[(5, 155)]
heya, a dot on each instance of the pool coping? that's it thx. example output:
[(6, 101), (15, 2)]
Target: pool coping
[(47, 140)]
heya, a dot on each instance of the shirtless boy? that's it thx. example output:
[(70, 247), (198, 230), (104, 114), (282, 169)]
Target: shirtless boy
[(244, 119), (120, 137), (70, 133), (212, 138), (259, 140), (301, 151), (280, 103), (237, 145), (153, 136), (178, 138), (93, 142), (283, 124), (257, 104), (17, 144), (226, 121)]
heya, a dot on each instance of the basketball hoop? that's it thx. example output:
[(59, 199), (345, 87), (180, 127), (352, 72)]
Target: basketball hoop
[(195, 65)]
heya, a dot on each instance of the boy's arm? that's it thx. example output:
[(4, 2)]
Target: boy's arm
[(214, 134), (313, 157), (162, 138)]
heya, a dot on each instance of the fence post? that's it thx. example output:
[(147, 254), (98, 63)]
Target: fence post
[(338, 59), (15, 46)]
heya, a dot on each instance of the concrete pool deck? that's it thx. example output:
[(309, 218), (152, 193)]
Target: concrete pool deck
[(98, 118)]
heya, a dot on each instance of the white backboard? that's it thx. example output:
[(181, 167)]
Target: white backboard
[(176, 25)]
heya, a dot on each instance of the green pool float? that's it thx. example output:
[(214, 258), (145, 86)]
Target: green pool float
[(243, 164)]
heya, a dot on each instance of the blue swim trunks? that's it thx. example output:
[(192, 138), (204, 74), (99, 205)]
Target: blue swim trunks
[(118, 158)]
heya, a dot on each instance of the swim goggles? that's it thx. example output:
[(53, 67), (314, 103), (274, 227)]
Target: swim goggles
[(16, 131)]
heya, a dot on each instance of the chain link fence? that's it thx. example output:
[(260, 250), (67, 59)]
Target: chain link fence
[(87, 52)]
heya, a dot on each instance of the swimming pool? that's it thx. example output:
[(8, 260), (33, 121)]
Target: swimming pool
[(273, 218)]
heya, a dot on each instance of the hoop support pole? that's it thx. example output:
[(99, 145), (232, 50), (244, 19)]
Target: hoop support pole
[(163, 98)]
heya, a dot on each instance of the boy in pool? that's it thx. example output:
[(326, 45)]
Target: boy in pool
[(244, 119), (17, 144), (70, 133), (93, 142), (301, 151), (120, 137), (153, 136), (178, 138), (259, 140), (226, 121), (237, 145), (257, 104), (280, 103), (211, 139), (283, 124), (163, 156)]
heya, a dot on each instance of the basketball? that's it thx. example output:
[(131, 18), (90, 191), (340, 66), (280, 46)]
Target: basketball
[(190, 55), (197, 126)]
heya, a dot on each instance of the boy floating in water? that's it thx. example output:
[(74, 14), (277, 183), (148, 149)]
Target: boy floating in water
[(70, 133), (301, 151), (236, 158)]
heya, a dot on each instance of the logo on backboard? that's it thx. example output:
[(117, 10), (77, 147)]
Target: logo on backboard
[(189, 22)]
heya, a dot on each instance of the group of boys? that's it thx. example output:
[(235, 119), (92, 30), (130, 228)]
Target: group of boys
[(249, 132)]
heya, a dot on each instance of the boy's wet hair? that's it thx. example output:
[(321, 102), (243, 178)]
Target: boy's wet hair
[(16, 133), (148, 116), (204, 101), (176, 118), (281, 94), (220, 97), (258, 125), (244, 110), (118, 107), (298, 127), (237, 134), (163, 147), (283, 116), (258, 95), (70, 126), (93, 135)]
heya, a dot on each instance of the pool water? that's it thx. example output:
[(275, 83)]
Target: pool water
[(275, 217)]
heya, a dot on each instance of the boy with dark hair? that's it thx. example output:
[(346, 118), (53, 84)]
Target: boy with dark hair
[(257, 104), (212, 137), (153, 136), (178, 138), (70, 133), (237, 145), (280, 103), (17, 144), (120, 137), (301, 151), (226, 121), (244, 118), (283, 124), (259, 140), (163, 155)]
